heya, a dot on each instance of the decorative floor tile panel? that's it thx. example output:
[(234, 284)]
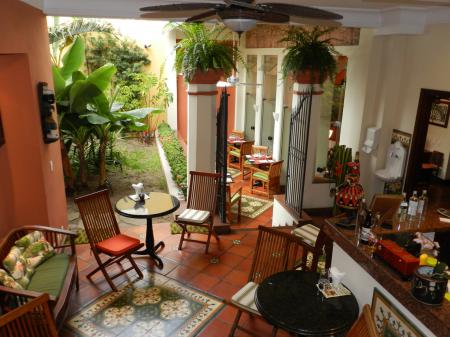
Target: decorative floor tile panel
[(155, 306)]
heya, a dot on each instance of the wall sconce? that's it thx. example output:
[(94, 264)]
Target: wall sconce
[(47, 106)]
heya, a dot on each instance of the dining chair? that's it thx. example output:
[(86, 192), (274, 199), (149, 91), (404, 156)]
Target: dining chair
[(364, 325), (276, 251), (104, 235), (201, 206), (318, 245), (237, 155), (233, 199), (32, 318), (247, 165), (237, 134), (270, 178)]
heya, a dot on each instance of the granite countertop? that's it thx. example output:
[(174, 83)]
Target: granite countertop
[(436, 318)]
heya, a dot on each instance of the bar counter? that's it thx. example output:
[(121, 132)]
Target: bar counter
[(350, 258)]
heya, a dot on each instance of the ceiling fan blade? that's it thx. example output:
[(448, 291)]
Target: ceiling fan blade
[(241, 3), (179, 7), (315, 22), (301, 11), (234, 12), (164, 15), (201, 16)]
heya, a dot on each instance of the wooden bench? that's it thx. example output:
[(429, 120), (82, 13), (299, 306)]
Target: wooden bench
[(63, 241)]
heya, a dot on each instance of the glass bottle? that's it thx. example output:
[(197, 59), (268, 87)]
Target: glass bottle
[(360, 216), (365, 231), (422, 204), (412, 206), (403, 209)]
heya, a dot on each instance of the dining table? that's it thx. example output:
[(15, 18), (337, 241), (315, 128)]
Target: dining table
[(292, 301), (155, 204)]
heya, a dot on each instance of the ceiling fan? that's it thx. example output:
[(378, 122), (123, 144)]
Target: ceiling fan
[(238, 15)]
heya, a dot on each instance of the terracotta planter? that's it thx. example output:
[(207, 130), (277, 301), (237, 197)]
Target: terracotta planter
[(426, 289), (305, 77), (211, 76)]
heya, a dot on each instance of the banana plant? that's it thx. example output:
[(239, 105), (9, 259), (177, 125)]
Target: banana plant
[(106, 117)]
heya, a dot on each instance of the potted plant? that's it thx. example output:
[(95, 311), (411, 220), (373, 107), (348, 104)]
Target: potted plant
[(429, 284), (310, 57), (203, 56)]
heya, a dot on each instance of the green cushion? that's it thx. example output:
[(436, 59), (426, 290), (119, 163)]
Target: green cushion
[(49, 276), (260, 175), (176, 229), (235, 197), (235, 153)]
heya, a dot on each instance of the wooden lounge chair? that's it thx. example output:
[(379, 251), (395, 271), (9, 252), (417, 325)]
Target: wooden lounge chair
[(104, 235), (233, 199), (201, 207), (270, 178)]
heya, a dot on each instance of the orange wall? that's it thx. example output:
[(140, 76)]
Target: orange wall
[(30, 192)]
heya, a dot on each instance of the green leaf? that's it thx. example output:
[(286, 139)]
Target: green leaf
[(58, 81), (82, 93), (73, 58), (96, 119), (138, 126), (102, 76), (77, 76), (140, 113), (101, 104)]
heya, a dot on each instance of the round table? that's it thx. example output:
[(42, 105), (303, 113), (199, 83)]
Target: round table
[(157, 204), (290, 300)]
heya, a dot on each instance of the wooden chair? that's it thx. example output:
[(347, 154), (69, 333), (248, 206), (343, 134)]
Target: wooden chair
[(275, 251), (246, 166), (33, 318), (104, 235), (239, 154), (270, 179), (317, 243), (237, 134), (233, 199), (201, 207), (364, 326)]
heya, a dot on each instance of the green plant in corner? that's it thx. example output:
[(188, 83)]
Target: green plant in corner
[(204, 48), (309, 54)]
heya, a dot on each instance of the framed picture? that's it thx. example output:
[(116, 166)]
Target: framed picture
[(2, 136), (404, 138), (439, 113), (389, 321)]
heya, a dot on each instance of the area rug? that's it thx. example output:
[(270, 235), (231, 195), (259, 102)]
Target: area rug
[(252, 207), (155, 306), (233, 172)]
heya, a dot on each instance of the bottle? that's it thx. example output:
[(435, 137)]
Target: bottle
[(360, 216), (365, 231), (412, 207), (422, 204), (403, 209)]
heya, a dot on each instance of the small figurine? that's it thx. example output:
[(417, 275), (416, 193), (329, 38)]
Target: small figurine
[(138, 189)]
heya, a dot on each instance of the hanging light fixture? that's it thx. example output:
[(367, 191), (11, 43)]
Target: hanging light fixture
[(240, 25)]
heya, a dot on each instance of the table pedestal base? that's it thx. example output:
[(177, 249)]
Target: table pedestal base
[(151, 248)]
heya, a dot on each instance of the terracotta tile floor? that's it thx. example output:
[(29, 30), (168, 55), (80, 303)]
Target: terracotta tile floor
[(221, 272)]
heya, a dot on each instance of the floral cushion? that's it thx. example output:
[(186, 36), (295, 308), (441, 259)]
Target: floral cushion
[(28, 239), (16, 265), (8, 281), (38, 252)]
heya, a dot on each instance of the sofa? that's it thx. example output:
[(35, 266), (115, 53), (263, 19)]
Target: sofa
[(57, 275)]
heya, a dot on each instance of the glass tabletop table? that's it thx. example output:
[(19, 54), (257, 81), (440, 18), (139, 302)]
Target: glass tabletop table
[(155, 205)]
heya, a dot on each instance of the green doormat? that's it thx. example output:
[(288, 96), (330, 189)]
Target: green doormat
[(252, 207), (176, 229), (233, 172), (155, 306), (81, 238)]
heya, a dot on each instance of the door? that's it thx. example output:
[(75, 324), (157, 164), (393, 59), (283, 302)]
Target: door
[(250, 97), (269, 94)]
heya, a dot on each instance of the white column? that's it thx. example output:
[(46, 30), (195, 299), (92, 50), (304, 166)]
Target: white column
[(278, 116), (239, 111), (201, 144), (259, 98)]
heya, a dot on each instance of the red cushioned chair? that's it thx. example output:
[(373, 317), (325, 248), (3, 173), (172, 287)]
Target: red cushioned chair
[(104, 235)]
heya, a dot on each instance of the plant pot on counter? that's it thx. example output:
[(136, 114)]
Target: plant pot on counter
[(426, 289), (310, 77), (211, 76)]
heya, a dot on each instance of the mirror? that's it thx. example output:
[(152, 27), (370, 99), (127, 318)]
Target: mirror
[(330, 120)]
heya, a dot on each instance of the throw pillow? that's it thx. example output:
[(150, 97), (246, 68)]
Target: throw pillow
[(16, 265), (8, 281), (28, 239), (37, 252)]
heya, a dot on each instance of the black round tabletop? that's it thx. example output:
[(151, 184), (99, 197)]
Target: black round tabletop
[(157, 204), (290, 300)]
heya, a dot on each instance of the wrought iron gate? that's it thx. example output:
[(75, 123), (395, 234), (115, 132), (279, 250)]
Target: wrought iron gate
[(298, 152), (221, 153)]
